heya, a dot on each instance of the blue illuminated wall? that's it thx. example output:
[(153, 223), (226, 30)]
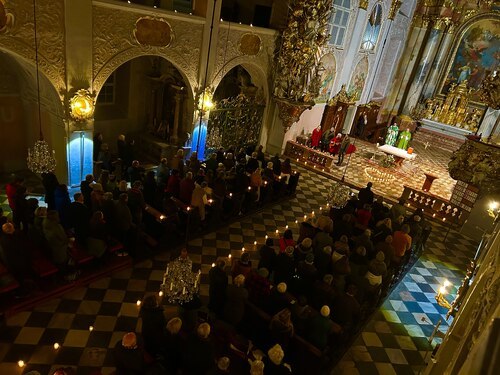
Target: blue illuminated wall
[(199, 139), (80, 150)]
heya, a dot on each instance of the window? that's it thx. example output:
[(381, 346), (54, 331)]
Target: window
[(372, 30), (339, 21), (107, 93)]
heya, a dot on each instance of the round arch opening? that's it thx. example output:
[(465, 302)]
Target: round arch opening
[(19, 116), (240, 102), (148, 100)]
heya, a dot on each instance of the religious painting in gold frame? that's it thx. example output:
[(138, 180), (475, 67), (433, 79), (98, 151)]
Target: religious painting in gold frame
[(476, 54)]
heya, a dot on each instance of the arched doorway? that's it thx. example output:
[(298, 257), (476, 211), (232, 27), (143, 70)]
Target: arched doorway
[(237, 117), (19, 125), (148, 100)]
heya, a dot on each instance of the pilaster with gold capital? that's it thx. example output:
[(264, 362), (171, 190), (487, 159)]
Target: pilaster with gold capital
[(393, 10), (363, 4)]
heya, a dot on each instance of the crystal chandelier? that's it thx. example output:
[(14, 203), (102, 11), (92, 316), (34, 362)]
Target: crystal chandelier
[(338, 195), (180, 284), (42, 158)]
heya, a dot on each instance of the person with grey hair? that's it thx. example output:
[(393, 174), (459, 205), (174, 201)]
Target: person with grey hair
[(236, 297), (199, 354), (186, 188)]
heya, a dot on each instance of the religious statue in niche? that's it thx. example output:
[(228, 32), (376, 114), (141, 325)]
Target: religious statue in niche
[(477, 55), (403, 139), (392, 135), (6, 18)]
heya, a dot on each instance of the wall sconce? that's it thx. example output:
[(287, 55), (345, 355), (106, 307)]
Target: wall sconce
[(441, 296), (82, 105), (206, 100)]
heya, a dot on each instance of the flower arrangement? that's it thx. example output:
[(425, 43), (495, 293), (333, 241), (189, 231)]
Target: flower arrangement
[(388, 162)]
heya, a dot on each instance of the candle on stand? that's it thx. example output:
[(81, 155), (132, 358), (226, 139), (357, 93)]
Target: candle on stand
[(266, 236), (184, 290), (171, 286), (164, 278), (286, 226), (229, 256)]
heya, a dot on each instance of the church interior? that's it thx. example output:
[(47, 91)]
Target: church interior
[(152, 151)]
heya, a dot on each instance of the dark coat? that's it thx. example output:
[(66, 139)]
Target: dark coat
[(128, 361), (284, 269), (80, 216), (234, 308), (153, 329), (199, 356), (267, 258), (218, 281)]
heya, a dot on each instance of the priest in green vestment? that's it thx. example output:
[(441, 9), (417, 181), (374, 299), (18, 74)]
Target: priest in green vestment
[(404, 139), (392, 135)]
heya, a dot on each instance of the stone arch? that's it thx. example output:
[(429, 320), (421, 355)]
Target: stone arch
[(125, 56), (258, 75), (22, 73)]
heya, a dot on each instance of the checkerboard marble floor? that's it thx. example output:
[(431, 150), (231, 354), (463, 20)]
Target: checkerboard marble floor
[(395, 340), (359, 170), (109, 305)]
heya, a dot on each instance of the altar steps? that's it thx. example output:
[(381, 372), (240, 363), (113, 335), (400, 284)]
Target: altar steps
[(434, 139)]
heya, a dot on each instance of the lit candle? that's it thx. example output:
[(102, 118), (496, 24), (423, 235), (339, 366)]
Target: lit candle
[(56, 346), (266, 237), (138, 303), (242, 249), (162, 217), (286, 226), (305, 217), (255, 242), (189, 208), (444, 219), (229, 256), (91, 328), (249, 188), (171, 286), (160, 293), (230, 195), (20, 363), (195, 283), (277, 231), (296, 221), (184, 290), (213, 265), (312, 213)]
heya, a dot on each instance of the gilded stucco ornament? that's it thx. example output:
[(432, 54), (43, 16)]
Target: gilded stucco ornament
[(393, 10), (250, 44), (363, 4), (153, 32), (82, 105), (478, 164), (297, 64), (490, 90)]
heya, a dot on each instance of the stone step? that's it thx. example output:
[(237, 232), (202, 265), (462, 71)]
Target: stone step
[(434, 139)]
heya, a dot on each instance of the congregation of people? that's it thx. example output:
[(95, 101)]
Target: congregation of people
[(315, 287)]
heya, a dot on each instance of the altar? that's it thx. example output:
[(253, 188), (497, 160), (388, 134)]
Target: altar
[(399, 154), (444, 129)]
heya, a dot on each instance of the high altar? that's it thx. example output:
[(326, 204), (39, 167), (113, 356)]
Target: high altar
[(452, 114)]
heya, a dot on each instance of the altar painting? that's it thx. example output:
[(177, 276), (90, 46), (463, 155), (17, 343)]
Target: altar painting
[(477, 55), (358, 79), (327, 78)]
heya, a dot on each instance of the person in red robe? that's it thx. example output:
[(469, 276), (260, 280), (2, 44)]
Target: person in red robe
[(335, 144), (316, 137)]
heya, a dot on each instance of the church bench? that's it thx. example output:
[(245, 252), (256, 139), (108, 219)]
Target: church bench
[(42, 266), (79, 255), (7, 281)]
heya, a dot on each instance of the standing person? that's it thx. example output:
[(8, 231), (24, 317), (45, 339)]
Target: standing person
[(236, 297), (15, 255), (218, 281), (162, 174), (401, 241), (199, 199), (267, 256), (20, 211), (316, 137), (129, 153), (121, 146), (50, 183), (10, 190), (79, 217), (123, 224), (361, 124), (199, 356), (365, 195), (186, 188), (86, 189), (153, 325), (177, 162), (343, 149), (136, 202), (63, 203), (98, 138), (56, 238), (129, 357), (173, 184)]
